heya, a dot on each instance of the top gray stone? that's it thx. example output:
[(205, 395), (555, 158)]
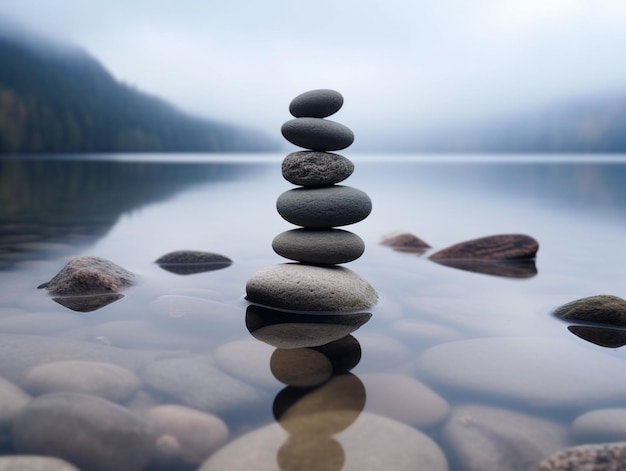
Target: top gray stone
[(316, 103), (317, 134), (309, 168)]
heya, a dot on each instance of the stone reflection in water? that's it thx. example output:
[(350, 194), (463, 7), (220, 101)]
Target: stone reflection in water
[(314, 356), (508, 269), (609, 338), (87, 303)]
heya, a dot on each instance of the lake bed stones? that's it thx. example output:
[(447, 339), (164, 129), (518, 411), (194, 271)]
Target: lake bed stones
[(317, 134), (325, 207), (296, 286), (310, 168), (318, 103), (319, 246), (89, 276)]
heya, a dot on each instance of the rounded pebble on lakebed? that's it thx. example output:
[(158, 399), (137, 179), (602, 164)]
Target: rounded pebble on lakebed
[(371, 443), (310, 168), (601, 425), (600, 457), (105, 380), (319, 246), (196, 433), (310, 288), (317, 134), (87, 431), (318, 103), (324, 207), (34, 463)]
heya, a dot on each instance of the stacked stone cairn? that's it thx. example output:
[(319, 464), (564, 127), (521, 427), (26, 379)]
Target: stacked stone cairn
[(319, 205)]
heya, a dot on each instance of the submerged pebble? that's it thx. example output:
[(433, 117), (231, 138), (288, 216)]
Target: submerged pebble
[(600, 426), (34, 463), (601, 457)]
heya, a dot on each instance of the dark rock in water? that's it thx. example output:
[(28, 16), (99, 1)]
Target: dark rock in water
[(87, 303), (609, 338), (325, 207), (505, 268), (309, 168), (601, 457), (283, 329), (187, 262), (497, 247), (299, 287), (318, 103), (344, 354), (88, 276), (317, 134), (319, 246), (89, 432), (405, 242), (601, 309)]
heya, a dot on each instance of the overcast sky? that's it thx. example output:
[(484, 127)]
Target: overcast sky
[(400, 64)]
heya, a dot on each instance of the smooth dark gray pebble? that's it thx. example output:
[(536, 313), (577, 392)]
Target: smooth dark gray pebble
[(316, 103), (319, 246), (324, 207), (317, 134)]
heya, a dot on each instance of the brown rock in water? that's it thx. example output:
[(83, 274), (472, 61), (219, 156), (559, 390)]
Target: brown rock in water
[(602, 309), (496, 247), (405, 242), (601, 457), (187, 262), (89, 276)]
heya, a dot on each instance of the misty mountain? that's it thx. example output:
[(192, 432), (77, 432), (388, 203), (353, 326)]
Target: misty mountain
[(587, 125), (57, 98)]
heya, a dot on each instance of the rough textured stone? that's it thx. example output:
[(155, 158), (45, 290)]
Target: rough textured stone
[(484, 438), (309, 168), (316, 103), (541, 371), (599, 426), (34, 463), (89, 275), (310, 288), (325, 207), (371, 443), (286, 330), (405, 242), (87, 431), (496, 247), (317, 134), (300, 367), (319, 246), (196, 434), (106, 380), (602, 309), (604, 457), (187, 262)]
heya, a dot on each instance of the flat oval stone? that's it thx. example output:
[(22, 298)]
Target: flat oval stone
[(310, 168), (310, 288), (319, 246), (316, 103), (325, 207), (496, 247), (603, 309), (317, 134)]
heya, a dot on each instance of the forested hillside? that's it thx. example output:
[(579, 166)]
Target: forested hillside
[(59, 99)]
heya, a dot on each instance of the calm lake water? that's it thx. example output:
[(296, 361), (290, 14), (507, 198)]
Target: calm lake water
[(455, 369)]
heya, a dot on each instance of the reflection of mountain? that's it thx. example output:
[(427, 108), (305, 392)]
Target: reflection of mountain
[(57, 98), (43, 202)]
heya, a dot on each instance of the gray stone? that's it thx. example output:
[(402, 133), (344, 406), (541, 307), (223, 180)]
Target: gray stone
[(316, 103), (310, 288), (601, 425), (371, 443), (106, 380), (319, 246), (87, 431), (88, 276), (603, 457), (324, 207), (602, 309), (545, 372), (34, 463), (300, 367), (195, 434), (405, 242), (12, 399), (187, 262), (309, 168), (286, 330), (317, 134), (197, 383), (484, 438)]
